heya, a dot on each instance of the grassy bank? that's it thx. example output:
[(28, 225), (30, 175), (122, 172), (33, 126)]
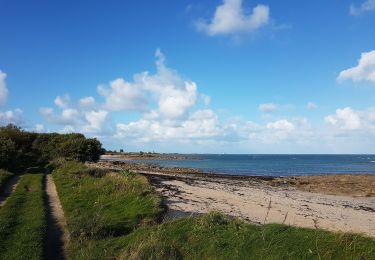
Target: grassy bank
[(4, 177), (23, 221), (101, 207), (214, 236), (112, 215)]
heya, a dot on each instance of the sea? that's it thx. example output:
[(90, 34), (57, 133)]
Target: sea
[(273, 165)]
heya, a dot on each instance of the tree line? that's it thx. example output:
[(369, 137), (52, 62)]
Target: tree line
[(20, 149)]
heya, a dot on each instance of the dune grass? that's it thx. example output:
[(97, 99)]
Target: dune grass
[(23, 220), (215, 236), (112, 215), (101, 206), (4, 177)]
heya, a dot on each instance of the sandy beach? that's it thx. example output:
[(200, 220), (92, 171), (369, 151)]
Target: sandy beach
[(343, 203)]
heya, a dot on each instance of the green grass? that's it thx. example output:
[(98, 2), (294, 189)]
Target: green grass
[(23, 220), (214, 236), (101, 206), (4, 177), (109, 216)]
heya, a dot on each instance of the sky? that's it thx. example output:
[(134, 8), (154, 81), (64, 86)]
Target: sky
[(188, 76)]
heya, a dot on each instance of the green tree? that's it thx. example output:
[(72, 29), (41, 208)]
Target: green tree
[(7, 152)]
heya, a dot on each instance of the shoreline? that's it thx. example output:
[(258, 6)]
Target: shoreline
[(147, 161), (355, 184), (339, 203)]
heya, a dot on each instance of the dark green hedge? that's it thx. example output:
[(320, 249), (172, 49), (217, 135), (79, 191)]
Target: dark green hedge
[(21, 149)]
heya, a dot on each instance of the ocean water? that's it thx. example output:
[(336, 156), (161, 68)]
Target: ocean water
[(275, 165)]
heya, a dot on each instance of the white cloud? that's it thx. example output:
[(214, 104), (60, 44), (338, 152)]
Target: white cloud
[(175, 117), (311, 105), (39, 128), (83, 120), (173, 95), (368, 5), (164, 99), (267, 108), (201, 124), (11, 117), (68, 116), (63, 101), (3, 89), (364, 71), (87, 102), (95, 120), (123, 96), (231, 18), (345, 118), (283, 124)]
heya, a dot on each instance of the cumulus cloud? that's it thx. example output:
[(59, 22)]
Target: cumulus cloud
[(364, 71), (368, 5), (267, 108), (3, 89), (311, 105), (87, 102), (63, 101), (345, 118), (11, 117), (173, 95), (175, 115), (170, 112), (200, 125), (283, 124), (95, 119), (231, 18), (78, 118), (163, 98), (123, 96)]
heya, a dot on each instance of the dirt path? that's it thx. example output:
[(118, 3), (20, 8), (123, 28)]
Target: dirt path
[(10, 186), (57, 237), (259, 202)]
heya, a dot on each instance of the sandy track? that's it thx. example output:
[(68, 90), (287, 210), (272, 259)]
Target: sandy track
[(258, 202), (10, 186), (57, 236)]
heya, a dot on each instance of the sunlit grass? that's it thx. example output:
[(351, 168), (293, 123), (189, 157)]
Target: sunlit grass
[(23, 221), (101, 205), (215, 236)]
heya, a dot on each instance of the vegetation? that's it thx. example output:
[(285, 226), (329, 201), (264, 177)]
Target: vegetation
[(20, 149), (23, 221), (115, 214), (4, 177), (214, 236), (100, 206)]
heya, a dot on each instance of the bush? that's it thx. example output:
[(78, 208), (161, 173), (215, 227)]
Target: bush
[(7, 152), (20, 149)]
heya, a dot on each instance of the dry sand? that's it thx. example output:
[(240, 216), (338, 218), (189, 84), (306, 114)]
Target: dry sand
[(259, 200)]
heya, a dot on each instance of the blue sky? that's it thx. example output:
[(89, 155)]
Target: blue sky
[(222, 76)]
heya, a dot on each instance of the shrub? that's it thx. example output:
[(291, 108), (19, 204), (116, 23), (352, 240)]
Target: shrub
[(20, 149)]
